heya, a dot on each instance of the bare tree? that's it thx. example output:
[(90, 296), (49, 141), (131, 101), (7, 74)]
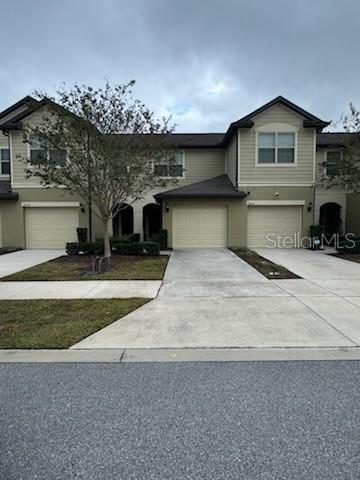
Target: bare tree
[(101, 144), (345, 170)]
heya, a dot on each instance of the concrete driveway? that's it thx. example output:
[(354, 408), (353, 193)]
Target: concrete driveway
[(212, 299), (17, 261)]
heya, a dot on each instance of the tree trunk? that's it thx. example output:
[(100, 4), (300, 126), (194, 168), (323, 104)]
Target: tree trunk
[(107, 229)]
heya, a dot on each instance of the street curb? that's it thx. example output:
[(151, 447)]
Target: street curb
[(159, 355)]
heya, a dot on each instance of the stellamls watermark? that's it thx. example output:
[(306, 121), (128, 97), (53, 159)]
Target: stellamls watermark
[(295, 240)]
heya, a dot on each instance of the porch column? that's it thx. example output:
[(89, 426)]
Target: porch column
[(138, 220)]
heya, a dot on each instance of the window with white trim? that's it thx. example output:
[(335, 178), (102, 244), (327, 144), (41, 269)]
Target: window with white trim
[(5, 160), (40, 154), (333, 163), (170, 166), (276, 148)]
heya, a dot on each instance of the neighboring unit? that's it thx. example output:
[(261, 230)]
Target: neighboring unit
[(258, 181)]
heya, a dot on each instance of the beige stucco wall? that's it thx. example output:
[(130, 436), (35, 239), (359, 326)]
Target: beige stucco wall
[(13, 214), (353, 213), (301, 173)]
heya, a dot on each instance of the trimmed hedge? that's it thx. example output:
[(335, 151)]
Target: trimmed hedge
[(118, 248), (136, 248), (130, 238), (87, 248), (160, 237), (72, 248)]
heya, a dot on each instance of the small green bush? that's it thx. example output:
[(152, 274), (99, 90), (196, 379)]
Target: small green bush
[(82, 234), (92, 248), (123, 248), (161, 238), (87, 248), (148, 248), (72, 248), (130, 238), (138, 248)]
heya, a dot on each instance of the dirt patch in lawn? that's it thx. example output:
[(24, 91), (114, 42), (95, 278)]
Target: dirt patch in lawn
[(352, 257), (58, 323), (123, 267), (270, 270)]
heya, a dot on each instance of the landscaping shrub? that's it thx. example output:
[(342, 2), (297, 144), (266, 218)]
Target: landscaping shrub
[(138, 248), (161, 238), (129, 238), (148, 248), (92, 248), (72, 248), (123, 248), (82, 234), (86, 248)]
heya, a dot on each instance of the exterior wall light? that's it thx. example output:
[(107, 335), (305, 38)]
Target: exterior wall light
[(310, 207)]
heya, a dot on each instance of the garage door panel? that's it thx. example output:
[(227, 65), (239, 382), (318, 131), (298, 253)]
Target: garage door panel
[(199, 227), (284, 221), (51, 227)]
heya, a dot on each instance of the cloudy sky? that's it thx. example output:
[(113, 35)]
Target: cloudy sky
[(206, 62)]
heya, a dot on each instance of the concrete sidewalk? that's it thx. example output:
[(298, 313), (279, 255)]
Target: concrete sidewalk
[(152, 355), (79, 289), (17, 261)]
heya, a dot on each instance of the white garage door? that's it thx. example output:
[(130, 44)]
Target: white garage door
[(283, 221), (199, 227), (51, 227)]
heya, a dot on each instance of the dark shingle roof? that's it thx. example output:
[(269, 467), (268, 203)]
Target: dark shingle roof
[(218, 187), (5, 191), (197, 140), (333, 139)]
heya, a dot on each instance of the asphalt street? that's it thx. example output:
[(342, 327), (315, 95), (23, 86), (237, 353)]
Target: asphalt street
[(255, 420)]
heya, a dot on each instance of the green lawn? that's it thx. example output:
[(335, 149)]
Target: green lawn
[(79, 268), (58, 323)]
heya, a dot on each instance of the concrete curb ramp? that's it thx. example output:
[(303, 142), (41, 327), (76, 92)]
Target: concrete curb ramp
[(179, 355)]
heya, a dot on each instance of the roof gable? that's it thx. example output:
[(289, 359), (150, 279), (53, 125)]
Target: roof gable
[(24, 102), (310, 120)]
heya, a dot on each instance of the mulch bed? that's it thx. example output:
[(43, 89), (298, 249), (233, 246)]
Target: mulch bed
[(352, 257), (270, 270)]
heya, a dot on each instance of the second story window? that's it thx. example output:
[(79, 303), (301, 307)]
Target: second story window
[(332, 167), (276, 148), (171, 166), (5, 161), (39, 154)]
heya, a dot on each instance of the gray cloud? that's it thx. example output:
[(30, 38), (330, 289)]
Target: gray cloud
[(206, 62)]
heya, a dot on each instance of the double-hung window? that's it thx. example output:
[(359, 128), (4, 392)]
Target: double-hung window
[(170, 166), (39, 154), (5, 161), (333, 163), (276, 148)]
